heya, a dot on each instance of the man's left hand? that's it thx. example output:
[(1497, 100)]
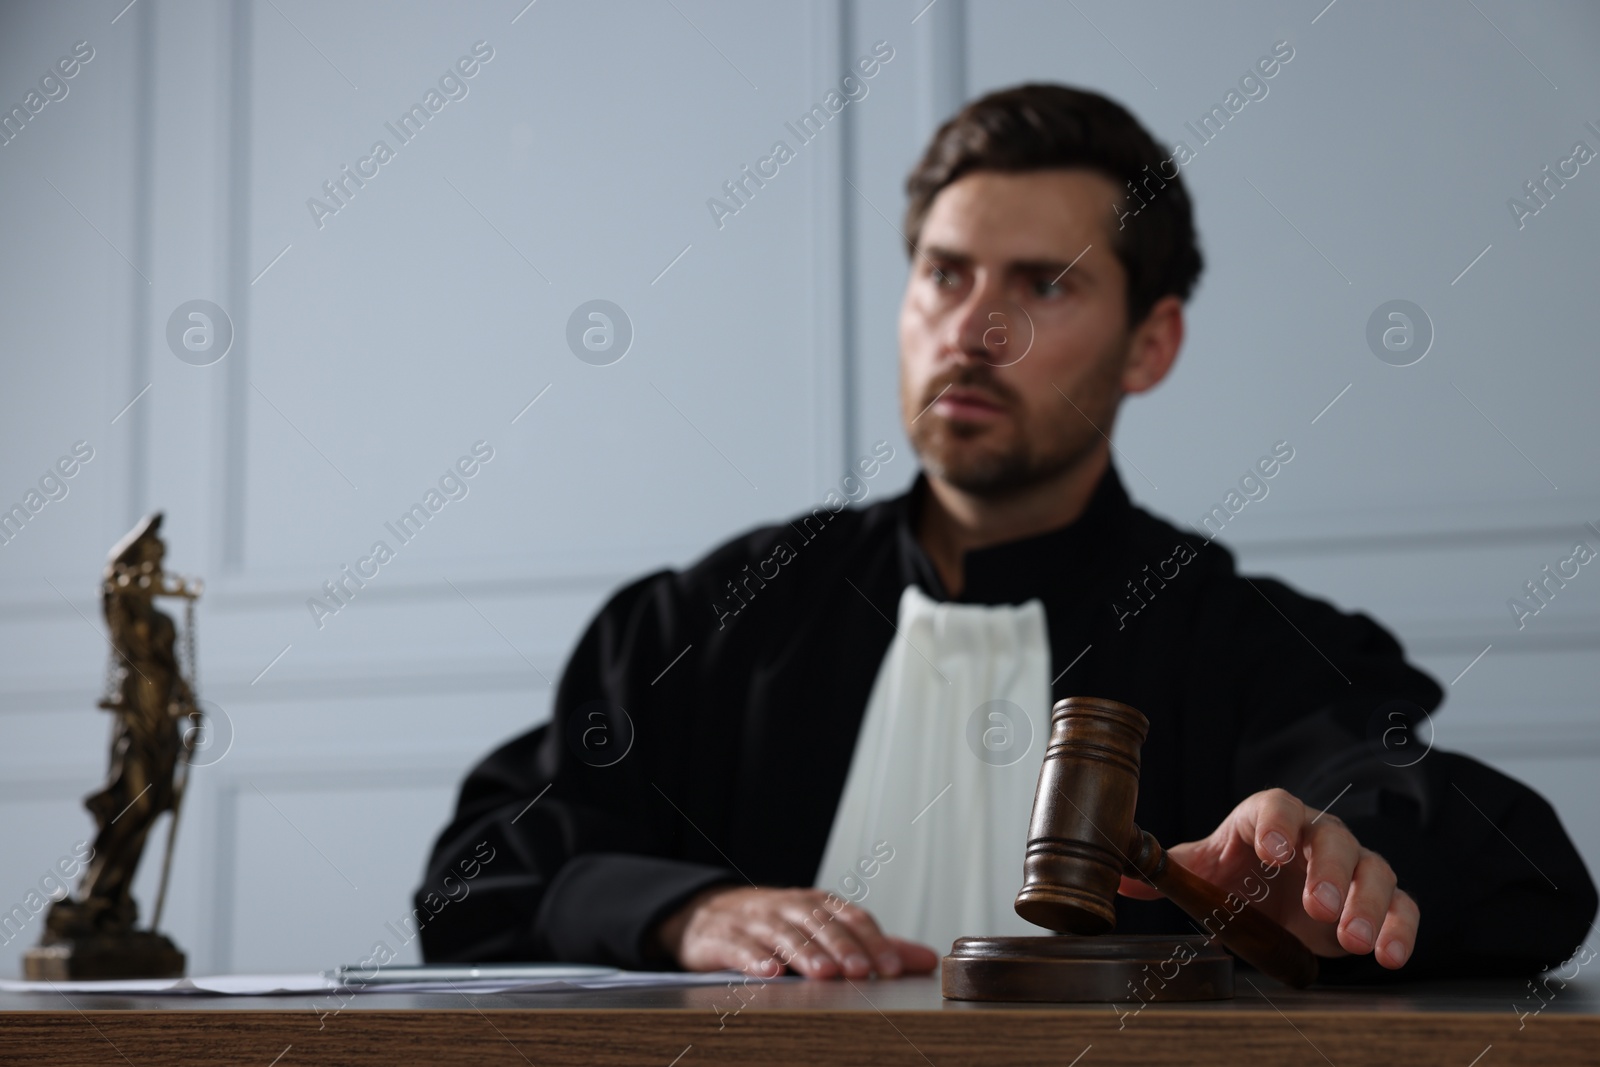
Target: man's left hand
[(1335, 896)]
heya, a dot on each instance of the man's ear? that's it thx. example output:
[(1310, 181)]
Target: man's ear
[(1154, 346)]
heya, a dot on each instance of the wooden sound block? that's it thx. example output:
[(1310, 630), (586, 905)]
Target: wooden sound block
[(1127, 969)]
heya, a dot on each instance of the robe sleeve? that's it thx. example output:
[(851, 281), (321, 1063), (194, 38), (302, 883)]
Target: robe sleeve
[(1334, 714), (586, 854)]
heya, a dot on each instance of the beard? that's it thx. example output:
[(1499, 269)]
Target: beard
[(998, 460)]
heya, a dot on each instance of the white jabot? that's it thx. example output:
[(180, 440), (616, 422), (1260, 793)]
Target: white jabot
[(944, 772)]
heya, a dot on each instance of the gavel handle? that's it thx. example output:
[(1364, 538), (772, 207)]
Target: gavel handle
[(1248, 932)]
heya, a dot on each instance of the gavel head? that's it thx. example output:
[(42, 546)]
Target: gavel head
[(1082, 823)]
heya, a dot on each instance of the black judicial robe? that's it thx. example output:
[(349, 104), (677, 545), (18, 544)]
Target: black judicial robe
[(744, 679)]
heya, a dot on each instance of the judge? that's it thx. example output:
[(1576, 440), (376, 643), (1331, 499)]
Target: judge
[(816, 748)]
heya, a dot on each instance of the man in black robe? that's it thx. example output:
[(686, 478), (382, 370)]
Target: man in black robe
[(675, 809)]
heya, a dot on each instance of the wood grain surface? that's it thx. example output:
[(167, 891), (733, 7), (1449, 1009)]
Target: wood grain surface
[(798, 1022)]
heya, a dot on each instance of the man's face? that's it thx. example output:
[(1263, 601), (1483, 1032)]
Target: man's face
[(1013, 331)]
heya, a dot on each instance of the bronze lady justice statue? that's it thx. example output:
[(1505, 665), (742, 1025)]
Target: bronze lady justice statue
[(91, 934)]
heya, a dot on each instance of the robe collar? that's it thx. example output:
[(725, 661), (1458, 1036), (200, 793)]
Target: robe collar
[(1047, 565)]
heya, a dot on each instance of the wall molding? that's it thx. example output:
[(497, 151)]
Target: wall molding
[(366, 681), (225, 830), (1449, 539), (941, 32), (832, 277), (228, 485), (508, 674), (243, 596), (136, 475)]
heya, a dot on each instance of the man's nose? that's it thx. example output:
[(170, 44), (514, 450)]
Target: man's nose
[(986, 327)]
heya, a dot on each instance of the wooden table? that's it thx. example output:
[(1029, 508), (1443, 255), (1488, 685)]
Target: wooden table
[(831, 1023)]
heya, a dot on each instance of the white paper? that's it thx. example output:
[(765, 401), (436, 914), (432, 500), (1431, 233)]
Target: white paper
[(226, 984), (244, 985)]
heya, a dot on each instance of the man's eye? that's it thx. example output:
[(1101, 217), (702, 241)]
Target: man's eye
[(1048, 287), (945, 277)]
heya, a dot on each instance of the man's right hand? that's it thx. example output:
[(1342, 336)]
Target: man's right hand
[(758, 931)]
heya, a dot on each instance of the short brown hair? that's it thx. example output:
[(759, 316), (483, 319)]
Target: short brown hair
[(1040, 127)]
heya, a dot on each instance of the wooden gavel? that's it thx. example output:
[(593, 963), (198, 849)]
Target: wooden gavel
[(1082, 838)]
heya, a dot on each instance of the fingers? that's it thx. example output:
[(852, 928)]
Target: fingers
[(793, 946), (885, 960), (742, 929), (1331, 853), (915, 958), (855, 946), (742, 951), (819, 935), (1355, 888), (841, 934), (1398, 935), (1271, 821), (1367, 903), (1138, 888)]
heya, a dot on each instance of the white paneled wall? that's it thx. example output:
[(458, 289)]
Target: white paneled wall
[(375, 349)]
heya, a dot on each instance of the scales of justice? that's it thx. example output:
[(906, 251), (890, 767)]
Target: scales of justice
[(157, 724), (1081, 840)]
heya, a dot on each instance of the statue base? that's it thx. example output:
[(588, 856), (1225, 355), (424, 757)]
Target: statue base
[(1129, 969), (87, 957)]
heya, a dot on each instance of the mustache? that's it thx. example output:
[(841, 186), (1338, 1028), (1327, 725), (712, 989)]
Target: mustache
[(975, 376)]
